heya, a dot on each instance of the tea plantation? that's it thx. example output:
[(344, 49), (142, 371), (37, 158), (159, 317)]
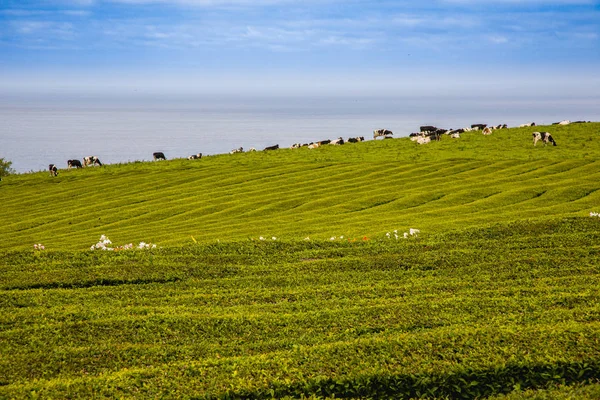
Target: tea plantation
[(464, 268)]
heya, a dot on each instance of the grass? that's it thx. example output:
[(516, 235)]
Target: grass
[(355, 190), (496, 296)]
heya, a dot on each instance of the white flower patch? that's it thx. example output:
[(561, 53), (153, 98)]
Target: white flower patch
[(104, 244), (395, 234), (594, 214), (411, 232), (38, 246)]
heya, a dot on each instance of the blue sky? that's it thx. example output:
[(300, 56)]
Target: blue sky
[(304, 47)]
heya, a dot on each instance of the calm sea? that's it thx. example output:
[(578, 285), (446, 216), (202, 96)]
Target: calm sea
[(35, 134)]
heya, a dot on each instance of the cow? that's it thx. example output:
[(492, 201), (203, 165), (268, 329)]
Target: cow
[(274, 147), (314, 145), (381, 132), (563, 122), (477, 127), (428, 128), (455, 135), (487, 130), (159, 155), (74, 164), (356, 139), (546, 137), (323, 142), (252, 149), (527, 125), (238, 150), (423, 140), (338, 141), (53, 170), (296, 146), (195, 156), (91, 160)]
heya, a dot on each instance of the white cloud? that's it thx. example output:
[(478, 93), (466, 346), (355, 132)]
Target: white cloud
[(522, 2), (498, 39), (209, 3)]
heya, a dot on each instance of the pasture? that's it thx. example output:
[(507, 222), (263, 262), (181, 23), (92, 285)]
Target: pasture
[(278, 274)]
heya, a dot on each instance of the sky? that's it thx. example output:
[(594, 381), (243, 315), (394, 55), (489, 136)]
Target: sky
[(288, 47)]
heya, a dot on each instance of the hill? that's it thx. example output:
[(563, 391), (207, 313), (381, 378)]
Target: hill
[(279, 274), (355, 190)]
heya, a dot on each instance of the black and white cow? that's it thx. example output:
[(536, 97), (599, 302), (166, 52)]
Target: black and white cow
[(381, 132), (238, 150), (356, 139), (428, 128), (477, 127), (338, 141), (274, 147), (195, 156), (53, 170), (159, 155), (527, 125), (545, 137), (91, 160), (74, 164)]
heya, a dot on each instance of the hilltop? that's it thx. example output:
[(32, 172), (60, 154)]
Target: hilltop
[(356, 190)]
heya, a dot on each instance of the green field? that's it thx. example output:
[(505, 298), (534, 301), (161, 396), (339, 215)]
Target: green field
[(498, 294)]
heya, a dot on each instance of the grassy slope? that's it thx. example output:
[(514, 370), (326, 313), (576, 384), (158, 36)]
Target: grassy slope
[(354, 190), (500, 290)]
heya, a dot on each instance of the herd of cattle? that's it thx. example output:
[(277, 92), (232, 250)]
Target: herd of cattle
[(426, 134)]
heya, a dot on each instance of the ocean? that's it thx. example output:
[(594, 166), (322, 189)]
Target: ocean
[(34, 134)]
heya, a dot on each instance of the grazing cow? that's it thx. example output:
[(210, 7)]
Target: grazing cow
[(487, 130), (437, 134), (381, 132), (91, 160), (527, 125), (159, 156), (74, 164), (275, 147), (338, 141), (53, 170), (545, 137), (195, 156), (238, 150), (477, 127), (356, 139)]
